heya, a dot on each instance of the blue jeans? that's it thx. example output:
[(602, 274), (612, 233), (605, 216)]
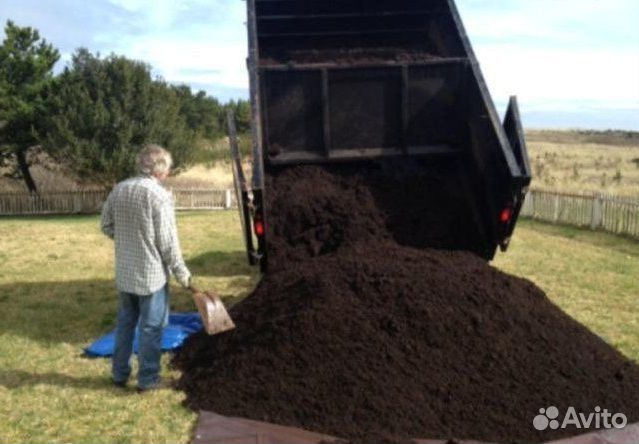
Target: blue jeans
[(151, 312)]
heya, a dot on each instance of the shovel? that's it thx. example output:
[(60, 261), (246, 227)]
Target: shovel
[(214, 316)]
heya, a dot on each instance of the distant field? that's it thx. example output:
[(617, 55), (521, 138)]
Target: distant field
[(213, 167), (577, 137), (606, 161), (218, 175), (583, 161)]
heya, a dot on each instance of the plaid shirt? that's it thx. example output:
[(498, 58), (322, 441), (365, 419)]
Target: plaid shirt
[(138, 215)]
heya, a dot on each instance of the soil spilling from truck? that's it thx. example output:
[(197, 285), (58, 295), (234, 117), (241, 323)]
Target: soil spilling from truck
[(320, 211), (356, 333)]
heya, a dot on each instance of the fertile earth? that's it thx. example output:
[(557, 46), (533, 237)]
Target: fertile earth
[(359, 331)]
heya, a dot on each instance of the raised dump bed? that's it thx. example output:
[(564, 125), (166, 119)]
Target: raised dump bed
[(354, 81)]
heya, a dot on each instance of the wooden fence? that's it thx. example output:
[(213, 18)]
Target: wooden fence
[(203, 199), (618, 215), (598, 211), (90, 201)]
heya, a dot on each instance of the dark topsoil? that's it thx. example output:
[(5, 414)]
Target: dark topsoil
[(356, 333), (348, 56)]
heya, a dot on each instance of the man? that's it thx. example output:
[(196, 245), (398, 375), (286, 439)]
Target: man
[(138, 215)]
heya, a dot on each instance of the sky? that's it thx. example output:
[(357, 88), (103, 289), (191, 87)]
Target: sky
[(572, 63)]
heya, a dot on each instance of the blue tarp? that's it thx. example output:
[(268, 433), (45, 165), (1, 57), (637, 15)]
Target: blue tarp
[(181, 326)]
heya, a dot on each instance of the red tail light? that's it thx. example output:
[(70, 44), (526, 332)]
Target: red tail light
[(505, 215), (258, 226)]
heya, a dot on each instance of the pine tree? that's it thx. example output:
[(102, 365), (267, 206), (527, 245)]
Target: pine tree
[(104, 110), (26, 65)]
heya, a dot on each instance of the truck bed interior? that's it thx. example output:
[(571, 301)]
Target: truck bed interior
[(353, 82), (348, 79)]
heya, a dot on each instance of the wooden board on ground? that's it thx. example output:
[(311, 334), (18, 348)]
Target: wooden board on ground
[(217, 429)]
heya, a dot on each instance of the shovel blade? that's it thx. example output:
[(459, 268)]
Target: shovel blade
[(215, 318)]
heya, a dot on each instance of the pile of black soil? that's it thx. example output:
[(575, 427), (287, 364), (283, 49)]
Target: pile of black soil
[(315, 211), (356, 333)]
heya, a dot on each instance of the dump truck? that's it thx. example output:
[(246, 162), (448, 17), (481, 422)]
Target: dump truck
[(359, 82)]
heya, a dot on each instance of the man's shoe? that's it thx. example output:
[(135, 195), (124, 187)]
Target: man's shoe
[(119, 384), (150, 388), (161, 384)]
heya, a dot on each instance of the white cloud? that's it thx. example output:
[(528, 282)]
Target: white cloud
[(160, 14), (566, 21), (209, 49), (193, 61), (568, 57), (607, 78)]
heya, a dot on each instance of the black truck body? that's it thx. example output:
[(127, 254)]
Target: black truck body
[(354, 81)]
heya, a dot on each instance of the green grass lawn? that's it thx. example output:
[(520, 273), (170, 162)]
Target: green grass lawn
[(592, 276), (57, 295)]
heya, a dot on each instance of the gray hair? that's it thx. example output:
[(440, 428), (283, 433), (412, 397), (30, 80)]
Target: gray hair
[(153, 159)]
